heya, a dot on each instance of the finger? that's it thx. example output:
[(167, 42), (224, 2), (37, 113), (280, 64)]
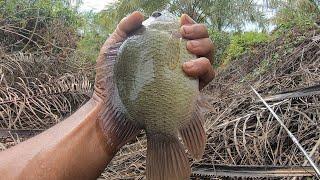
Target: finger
[(194, 31), (185, 19), (126, 25), (129, 23), (200, 68), (200, 47)]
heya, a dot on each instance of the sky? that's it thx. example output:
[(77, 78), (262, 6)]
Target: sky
[(94, 5)]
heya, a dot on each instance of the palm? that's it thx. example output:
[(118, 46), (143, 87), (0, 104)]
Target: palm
[(126, 25)]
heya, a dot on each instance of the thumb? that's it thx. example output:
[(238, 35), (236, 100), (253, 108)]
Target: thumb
[(126, 25)]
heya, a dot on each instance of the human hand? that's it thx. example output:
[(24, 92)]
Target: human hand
[(116, 129), (201, 45), (126, 25)]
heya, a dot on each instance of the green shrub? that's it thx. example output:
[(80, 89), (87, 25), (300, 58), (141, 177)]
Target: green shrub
[(38, 25), (89, 46), (240, 43), (96, 29), (221, 42), (301, 14)]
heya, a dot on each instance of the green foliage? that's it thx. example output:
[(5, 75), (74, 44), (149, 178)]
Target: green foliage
[(22, 9), (96, 28), (93, 36), (221, 42), (233, 14), (240, 43), (116, 11), (217, 14), (300, 14), (38, 25), (220, 15), (88, 47)]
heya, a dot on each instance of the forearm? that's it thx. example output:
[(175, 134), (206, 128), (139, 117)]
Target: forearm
[(72, 149)]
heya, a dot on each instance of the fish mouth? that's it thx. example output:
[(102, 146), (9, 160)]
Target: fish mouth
[(162, 17)]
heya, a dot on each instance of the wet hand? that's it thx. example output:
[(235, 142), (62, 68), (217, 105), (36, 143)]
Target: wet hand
[(201, 45), (126, 25), (109, 119)]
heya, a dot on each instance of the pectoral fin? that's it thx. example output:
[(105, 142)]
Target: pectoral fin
[(193, 134)]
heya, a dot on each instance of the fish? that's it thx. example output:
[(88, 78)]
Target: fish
[(149, 90)]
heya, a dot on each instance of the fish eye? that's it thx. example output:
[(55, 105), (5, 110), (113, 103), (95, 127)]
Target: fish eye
[(156, 14)]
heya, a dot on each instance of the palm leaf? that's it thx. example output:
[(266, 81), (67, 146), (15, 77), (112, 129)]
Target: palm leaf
[(34, 94)]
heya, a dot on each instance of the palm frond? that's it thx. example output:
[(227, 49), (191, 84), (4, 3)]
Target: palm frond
[(34, 96), (36, 104)]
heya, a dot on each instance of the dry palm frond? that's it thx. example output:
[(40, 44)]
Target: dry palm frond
[(35, 104), (24, 65), (36, 92), (11, 140)]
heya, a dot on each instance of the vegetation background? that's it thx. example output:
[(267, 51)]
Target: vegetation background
[(48, 49)]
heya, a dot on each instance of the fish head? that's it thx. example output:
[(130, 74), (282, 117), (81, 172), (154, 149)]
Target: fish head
[(163, 20)]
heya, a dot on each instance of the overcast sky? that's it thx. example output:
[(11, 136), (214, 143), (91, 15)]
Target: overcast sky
[(94, 5)]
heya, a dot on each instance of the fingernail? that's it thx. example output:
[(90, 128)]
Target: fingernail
[(187, 29), (188, 64), (193, 43)]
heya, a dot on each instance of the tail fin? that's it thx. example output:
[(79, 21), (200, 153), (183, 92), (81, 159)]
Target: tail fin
[(166, 158)]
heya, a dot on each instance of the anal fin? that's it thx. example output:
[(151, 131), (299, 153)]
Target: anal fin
[(166, 158), (193, 134)]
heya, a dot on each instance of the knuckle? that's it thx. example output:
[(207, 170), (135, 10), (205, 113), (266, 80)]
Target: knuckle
[(119, 33), (204, 27), (206, 45), (211, 44), (205, 61), (208, 63), (196, 49), (198, 28)]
